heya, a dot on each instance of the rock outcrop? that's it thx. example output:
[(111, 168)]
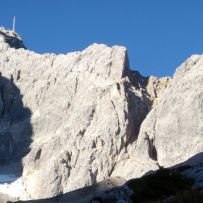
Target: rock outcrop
[(84, 113), (76, 119), (15, 129), (173, 130), (11, 38)]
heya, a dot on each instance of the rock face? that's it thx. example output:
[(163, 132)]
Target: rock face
[(11, 38), (84, 113), (80, 119), (14, 122), (173, 130), (77, 119)]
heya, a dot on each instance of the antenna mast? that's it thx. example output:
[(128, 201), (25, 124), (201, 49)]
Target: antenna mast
[(14, 23)]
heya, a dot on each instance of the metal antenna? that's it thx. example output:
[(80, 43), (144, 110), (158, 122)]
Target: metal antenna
[(14, 23)]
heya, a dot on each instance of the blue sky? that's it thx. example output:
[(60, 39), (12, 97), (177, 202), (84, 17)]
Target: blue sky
[(159, 34)]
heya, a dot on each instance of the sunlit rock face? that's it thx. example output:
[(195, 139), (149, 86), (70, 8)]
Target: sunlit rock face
[(84, 113), (172, 132), (174, 128), (79, 118)]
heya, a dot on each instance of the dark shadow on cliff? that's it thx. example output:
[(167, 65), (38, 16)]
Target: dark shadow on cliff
[(138, 107), (15, 128)]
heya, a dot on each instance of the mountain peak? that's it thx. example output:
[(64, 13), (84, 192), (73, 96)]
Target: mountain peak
[(11, 38)]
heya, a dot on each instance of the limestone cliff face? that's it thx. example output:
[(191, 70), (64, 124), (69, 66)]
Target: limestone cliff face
[(174, 128), (76, 119), (172, 132), (84, 113)]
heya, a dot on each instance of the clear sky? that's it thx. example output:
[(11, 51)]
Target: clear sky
[(159, 34)]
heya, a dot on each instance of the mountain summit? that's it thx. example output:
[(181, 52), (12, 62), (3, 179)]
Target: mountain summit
[(11, 38), (70, 121)]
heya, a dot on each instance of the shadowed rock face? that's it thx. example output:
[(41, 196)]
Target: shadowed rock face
[(15, 133), (14, 119), (6, 147)]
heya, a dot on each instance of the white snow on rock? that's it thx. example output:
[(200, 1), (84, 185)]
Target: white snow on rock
[(11, 185)]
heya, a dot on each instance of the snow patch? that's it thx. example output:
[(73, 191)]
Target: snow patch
[(11, 185)]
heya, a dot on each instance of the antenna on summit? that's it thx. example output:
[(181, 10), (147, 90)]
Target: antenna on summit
[(14, 24)]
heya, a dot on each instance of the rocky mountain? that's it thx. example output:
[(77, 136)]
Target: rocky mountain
[(172, 131), (11, 38), (70, 121), (178, 117)]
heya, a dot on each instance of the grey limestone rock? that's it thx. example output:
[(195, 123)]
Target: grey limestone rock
[(82, 195), (76, 119), (173, 131), (82, 114)]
